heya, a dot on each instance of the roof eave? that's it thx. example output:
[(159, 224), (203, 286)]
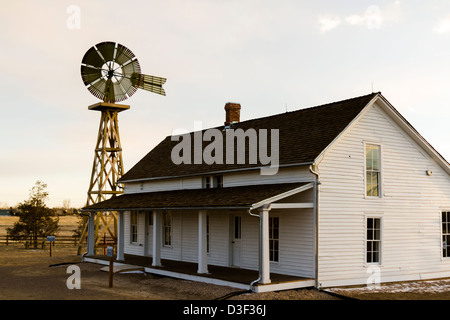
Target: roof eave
[(414, 134), (319, 158), (214, 172), (399, 120), (169, 208), (282, 196)]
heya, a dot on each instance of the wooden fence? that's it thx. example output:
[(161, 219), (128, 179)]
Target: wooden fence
[(62, 241)]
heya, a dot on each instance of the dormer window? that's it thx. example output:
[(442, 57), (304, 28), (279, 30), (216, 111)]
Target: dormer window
[(215, 181)]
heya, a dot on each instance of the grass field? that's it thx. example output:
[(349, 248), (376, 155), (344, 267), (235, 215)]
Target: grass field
[(67, 224)]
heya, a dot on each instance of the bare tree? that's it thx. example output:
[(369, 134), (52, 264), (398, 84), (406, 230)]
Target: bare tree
[(66, 205)]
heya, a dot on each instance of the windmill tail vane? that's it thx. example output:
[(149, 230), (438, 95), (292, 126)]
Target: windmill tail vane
[(143, 81), (149, 83)]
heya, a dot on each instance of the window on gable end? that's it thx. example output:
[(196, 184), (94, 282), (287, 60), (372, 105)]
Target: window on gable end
[(373, 170)]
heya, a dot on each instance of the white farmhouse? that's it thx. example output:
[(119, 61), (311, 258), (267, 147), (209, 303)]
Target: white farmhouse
[(359, 196)]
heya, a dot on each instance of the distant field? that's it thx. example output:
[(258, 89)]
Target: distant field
[(66, 225)]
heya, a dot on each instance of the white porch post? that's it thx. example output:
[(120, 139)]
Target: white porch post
[(264, 245), (202, 246), (156, 261), (120, 236), (91, 237)]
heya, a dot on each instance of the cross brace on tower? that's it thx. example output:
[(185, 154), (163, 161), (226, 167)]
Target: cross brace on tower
[(106, 171)]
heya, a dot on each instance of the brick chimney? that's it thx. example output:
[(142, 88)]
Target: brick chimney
[(232, 113)]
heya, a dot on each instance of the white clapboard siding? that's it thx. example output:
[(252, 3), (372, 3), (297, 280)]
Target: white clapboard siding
[(410, 206), (254, 177), (189, 236), (249, 242), (163, 185), (233, 179), (296, 242), (219, 235)]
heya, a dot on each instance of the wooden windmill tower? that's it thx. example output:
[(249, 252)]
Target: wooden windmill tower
[(112, 73)]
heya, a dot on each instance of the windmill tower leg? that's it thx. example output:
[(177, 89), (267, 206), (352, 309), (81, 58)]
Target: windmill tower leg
[(107, 169)]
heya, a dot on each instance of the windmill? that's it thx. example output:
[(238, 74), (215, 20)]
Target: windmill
[(112, 73)]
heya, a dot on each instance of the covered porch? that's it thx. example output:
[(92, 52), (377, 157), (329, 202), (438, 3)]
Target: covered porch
[(218, 275), (255, 202)]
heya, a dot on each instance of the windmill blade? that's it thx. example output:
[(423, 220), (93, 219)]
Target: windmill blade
[(92, 58), (90, 74), (120, 89), (98, 88), (107, 50), (127, 86), (123, 55), (131, 67), (150, 83)]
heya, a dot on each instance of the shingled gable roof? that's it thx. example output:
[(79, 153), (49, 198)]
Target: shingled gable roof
[(212, 198), (303, 135)]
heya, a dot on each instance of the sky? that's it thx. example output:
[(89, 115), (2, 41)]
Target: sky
[(269, 56)]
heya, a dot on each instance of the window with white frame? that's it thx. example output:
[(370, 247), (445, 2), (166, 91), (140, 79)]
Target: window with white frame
[(213, 181), (274, 238), (167, 228), (445, 234), (373, 240), (133, 226), (373, 170)]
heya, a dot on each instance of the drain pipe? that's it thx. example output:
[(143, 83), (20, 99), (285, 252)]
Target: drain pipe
[(252, 284), (316, 223)]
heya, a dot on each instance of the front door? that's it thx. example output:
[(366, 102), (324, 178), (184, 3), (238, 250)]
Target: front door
[(236, 241)]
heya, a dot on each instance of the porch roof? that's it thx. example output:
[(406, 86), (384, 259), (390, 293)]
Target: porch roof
[(215, 198)]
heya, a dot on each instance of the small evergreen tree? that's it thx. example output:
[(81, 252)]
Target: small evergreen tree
[(35, 218)]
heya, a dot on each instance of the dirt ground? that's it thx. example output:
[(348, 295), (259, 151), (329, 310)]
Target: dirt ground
[(29, 274)]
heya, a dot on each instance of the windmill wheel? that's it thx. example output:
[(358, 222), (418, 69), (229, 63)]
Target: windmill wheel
[(112, 73)]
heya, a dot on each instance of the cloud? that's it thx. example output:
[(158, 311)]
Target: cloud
[(442, 26), (328, 22), (372, 18)]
